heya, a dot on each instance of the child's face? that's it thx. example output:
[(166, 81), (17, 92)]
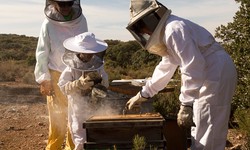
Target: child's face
[(85, 57)]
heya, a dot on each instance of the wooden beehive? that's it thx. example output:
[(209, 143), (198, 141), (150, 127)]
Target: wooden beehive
[(106, 132), (118, 131)]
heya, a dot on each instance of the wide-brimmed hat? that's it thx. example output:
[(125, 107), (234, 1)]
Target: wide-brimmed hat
[(85, 43)]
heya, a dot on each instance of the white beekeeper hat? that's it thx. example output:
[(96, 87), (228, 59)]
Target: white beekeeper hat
[(85, 43)]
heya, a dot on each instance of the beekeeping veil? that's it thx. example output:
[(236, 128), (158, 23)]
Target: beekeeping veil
[(151, 15), (84, 43), (52, 13)]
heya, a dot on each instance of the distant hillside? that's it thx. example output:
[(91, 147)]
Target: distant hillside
[(122, 59), (17, 57), (16, 47)]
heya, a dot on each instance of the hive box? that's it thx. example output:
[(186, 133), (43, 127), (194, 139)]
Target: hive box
[(118, 131)]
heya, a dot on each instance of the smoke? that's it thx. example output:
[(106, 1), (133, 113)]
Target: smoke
[(112, 104), (88, 106), (81, 108), (108, 107), (58, 113)]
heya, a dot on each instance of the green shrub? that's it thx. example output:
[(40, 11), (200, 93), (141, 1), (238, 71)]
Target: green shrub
[(242, 116), (29, 78), (139, 142), (13, 70), (9, 70), (167, 104), (31, 60)]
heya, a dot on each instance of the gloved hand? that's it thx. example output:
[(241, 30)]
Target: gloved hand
[(137, 99), (72, 86), (85, 83), (46, 88), (94, 76), (99, 91), (185, 116), (80, 84)]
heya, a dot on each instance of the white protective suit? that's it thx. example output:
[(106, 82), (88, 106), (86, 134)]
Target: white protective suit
[(79, 110), (208, 80), (50, 45), (49, 67)]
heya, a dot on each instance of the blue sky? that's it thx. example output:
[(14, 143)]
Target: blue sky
[(108, 18)]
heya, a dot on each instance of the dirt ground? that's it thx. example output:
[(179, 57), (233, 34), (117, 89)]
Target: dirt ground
[(24, 120)]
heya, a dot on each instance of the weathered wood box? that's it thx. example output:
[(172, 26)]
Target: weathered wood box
[(118, 131)]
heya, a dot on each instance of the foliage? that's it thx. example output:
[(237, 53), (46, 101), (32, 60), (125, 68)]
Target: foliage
[(16, 71), (243, 119), (17, 58), (128, 55), (122, 59), (235, 38), (167, 104), (16, 47), (9, 70), (139, 142), (128, 60)]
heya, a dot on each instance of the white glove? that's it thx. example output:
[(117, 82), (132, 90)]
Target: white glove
[(137, 99), (80, 84), (185, 116), (94, 76), (72, 86), (99, 91), (85, 83)]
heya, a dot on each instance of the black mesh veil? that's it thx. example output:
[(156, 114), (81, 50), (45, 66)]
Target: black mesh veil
[(52, 13)]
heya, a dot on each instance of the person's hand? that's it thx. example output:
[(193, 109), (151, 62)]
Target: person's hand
[(94, 76), (137, 99), (99, 91), (185, 116), (72, 86), (80, 84), (85, 83), (46, 88)]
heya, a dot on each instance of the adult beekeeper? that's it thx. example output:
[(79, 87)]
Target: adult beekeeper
[(85, 71), (207, 72), (64, 19)]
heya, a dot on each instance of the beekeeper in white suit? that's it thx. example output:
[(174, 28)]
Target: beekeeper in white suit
[(85, 69), (64, 19), (207, 72)]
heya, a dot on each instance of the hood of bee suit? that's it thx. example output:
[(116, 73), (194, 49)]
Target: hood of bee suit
[(52, 10), (152, 15)]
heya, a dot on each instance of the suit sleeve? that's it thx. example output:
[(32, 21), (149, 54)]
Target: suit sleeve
[(42, 56), (161, 76)]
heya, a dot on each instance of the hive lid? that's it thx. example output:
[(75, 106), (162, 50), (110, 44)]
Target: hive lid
[(147, 116)]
